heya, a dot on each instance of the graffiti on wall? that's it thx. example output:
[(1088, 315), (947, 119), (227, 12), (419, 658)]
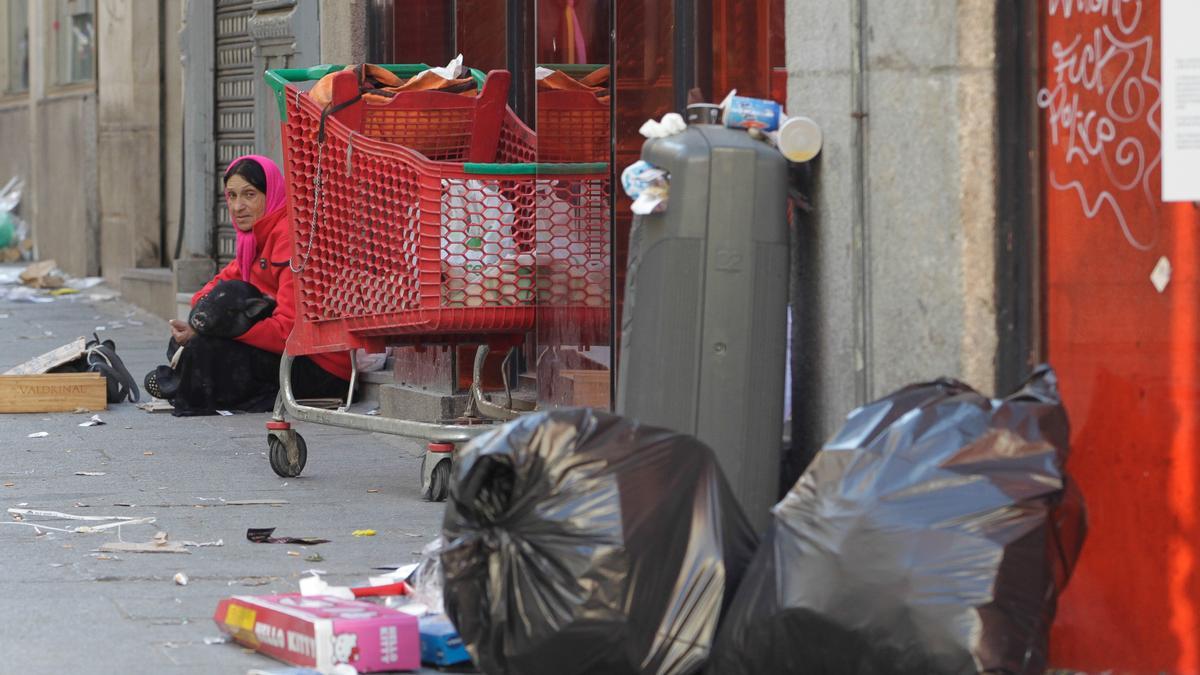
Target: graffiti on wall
[(1102, 103)]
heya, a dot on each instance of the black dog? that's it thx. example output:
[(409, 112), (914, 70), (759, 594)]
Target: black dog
[(216, 372), (230, 309)]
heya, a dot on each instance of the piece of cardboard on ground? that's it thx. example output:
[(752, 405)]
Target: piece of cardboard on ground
[(41, 275), (53, 392), (51, 359), (156, 405)]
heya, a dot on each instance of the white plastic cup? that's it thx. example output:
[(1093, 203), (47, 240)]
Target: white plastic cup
[(799, 139)]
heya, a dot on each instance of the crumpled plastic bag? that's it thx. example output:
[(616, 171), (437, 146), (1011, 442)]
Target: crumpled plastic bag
[(583, 542), (932, 534), (648, 186), (13, 230)]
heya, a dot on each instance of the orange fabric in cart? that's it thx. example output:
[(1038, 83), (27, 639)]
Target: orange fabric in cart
[(1126, 353), (378, 84)]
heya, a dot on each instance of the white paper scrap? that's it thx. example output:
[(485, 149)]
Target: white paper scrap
[(1161, 276)]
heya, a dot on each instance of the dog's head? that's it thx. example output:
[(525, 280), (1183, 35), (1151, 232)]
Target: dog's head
[(230, 309)]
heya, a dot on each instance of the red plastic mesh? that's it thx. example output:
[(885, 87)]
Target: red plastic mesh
[(518, 143), (573, 249), (441, 134), (396, 246), (572, 127)]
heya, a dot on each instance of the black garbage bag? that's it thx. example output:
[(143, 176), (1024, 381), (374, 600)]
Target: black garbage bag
[(583, 542), (932, 534)]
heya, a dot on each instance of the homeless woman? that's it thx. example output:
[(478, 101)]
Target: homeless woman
[(216, 371)]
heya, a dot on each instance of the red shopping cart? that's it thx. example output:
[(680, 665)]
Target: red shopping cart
[(425, 220)]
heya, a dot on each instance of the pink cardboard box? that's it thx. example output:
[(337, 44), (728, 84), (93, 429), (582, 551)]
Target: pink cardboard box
[(321, 632)]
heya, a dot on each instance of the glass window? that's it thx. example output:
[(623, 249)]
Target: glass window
[(74, 29), (17, 46)]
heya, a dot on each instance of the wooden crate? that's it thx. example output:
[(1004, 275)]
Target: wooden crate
[(52, 392), (589, 388)]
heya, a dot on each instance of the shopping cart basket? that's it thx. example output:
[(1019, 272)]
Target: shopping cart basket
[(393, 246)]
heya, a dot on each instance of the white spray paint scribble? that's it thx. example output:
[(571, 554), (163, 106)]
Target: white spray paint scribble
[(1100, 64)]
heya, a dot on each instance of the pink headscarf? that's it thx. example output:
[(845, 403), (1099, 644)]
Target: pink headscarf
[(247, 246)]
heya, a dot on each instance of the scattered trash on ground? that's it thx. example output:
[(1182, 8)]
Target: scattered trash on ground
[(43, 274), (20, 516), (181, 579), (160, 544), (316, 557), (156, 405), (203, 544), (572, 505), (367, 636), (84, 283), (363, 533), (91, 473), (38, 434), (224, 413), (254, 581), (262, 535), (216, 640), (314, 585), (440, 643), (95, 421), (932, 534)]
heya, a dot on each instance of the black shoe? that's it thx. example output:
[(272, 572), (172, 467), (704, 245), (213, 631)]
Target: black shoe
[(162, 382)]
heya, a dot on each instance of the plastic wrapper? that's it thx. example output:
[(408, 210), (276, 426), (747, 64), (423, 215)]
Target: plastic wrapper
[(648, 186), (582, 542), (13, 230), (932, 534), (426, 579)]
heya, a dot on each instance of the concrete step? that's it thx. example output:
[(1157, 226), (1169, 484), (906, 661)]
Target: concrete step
[(152, 289), (183, 305)]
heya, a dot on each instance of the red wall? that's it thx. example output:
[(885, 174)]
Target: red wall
[(1126, 353)]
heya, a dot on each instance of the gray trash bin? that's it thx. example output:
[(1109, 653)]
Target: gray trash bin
[(703, 330)]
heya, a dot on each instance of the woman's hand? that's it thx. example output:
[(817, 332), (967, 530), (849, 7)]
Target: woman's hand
[(181, 332)]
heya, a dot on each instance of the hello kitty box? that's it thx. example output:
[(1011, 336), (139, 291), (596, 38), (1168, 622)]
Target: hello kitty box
[(321, 631)]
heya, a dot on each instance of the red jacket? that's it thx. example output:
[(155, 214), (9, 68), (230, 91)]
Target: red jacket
[(273, 276)]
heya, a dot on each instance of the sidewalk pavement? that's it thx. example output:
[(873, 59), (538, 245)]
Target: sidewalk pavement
[(66, 609)]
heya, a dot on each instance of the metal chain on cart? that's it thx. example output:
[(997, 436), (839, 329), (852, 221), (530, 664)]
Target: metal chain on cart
[(318, 183)]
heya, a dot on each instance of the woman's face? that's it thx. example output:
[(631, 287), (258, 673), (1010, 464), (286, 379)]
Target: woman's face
[(246, 202)]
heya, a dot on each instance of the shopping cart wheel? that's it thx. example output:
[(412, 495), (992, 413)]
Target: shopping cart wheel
[(288, 453), (435, 472)]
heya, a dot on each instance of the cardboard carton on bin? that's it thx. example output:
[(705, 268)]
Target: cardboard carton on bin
[(321, 631)]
